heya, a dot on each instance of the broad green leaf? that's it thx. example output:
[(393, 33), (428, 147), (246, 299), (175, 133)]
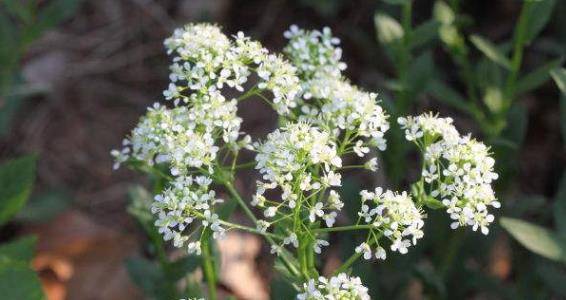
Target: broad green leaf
[(183, 266), (517, 122), (447, 95), (282, 289), (537, 77), (388, 29), (490, 51), (536, 238), (423, 34), (21, 249), (16, 181), (226, 209), (560, 207), (559, 76), (431, 278), (487, 74), (150, 278), (538, 15), (19, 281), (420, 72), (44, 207)]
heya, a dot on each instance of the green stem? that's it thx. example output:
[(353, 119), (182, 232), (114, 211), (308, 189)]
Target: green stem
[(351, 260), (208, 264), (248, 229), (283, 256), (343, 228), (518, 47)]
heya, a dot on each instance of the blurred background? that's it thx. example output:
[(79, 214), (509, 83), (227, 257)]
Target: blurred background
[(75, 76)]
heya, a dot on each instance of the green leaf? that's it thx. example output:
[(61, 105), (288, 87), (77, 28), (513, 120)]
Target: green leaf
[(517, 123), (490, 51), (388, 29), (537, 77), (433, 203), (560, 207), (150, 278), (19, 281), (423, 34), (447, 95), (538, 15), (21, 249), (44, 207), (282, 289), (559, 76), (536, 238), (420, 72), (16, 181), (183, 266)]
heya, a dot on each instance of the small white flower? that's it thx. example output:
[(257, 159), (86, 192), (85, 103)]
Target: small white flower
[(371, 164), (318, 244), (359, 149), (380, 253), (365, 249)]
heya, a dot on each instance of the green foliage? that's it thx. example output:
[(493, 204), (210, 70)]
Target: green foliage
[(21, 249), (16, 182), (536, 238), (537, 16), (484, 81), (44, 207), (17, 279), (490, 51), (158, 276), (559, 76), (22, 22)]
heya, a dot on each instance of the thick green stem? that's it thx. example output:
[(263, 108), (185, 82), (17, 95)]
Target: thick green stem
[(516, 59), (208, 264)]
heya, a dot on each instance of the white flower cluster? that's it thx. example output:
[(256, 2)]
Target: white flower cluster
[(458, 169), (187, 199), (170, 135), (207, 60), (328, 99), (338, 287), (393, 215), (287, 159), (314, 53)]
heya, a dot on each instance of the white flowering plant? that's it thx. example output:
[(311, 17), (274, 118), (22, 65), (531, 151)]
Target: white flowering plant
[(193, 142)]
